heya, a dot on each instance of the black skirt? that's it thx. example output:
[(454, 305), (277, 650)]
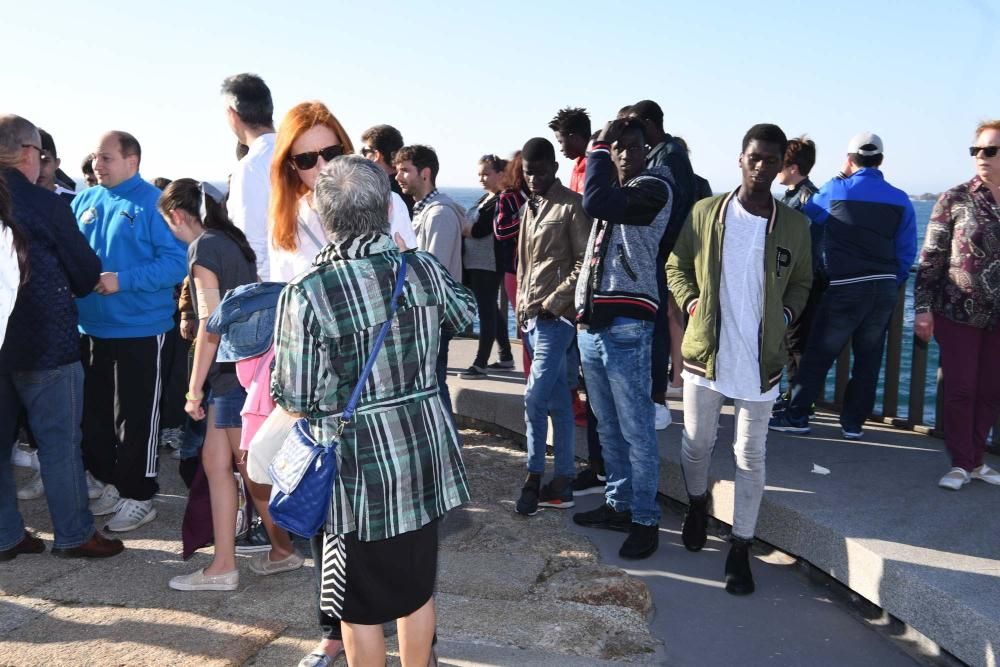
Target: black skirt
[(370, 583)]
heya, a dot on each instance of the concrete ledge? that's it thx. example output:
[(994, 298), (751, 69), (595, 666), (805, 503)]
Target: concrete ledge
[(877, 522)]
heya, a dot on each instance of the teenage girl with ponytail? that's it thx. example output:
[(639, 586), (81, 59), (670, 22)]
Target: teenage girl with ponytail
[(219, 259)]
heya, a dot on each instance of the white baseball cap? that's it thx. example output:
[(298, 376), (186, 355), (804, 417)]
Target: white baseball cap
[(866, 143)]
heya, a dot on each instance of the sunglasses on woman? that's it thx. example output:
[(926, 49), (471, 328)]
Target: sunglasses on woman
[(308, 160), (988, 151)]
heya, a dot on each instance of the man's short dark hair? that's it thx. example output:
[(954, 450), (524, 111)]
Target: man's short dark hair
[(87, 166), (865, 161), (801, 152), (571, 120), (128, 144), (250, 98), (422, 157), (634, 125), (766, 132), (538, 149), (48, 143), (649, 110), (161, 183), (385, 139)]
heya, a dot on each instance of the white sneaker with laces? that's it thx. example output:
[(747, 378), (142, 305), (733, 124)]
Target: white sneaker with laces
[(32, 489), (663, 418), (984, 473), (94, 488), (107, 502), (954, 479), (131, 514)]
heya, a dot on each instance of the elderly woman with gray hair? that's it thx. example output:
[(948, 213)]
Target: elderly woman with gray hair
[(399, 463)]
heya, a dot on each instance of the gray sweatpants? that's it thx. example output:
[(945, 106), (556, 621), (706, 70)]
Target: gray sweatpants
[(701, 424)]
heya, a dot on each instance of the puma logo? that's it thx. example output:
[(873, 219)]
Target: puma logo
[(131, 218)]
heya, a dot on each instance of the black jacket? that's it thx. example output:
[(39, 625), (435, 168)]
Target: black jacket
[(42, 330)]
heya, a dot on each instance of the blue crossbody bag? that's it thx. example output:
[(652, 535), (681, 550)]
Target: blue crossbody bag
[(303, 470)]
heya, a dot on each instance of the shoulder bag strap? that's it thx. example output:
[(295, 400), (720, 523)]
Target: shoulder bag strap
[(352, 403)]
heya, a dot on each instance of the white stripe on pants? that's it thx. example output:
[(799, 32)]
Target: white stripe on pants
[(701, 424)]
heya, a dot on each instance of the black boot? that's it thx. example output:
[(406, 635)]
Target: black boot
[(739, 579), (694, 532), (642, 541)]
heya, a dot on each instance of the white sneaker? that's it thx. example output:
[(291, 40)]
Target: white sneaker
[(131, 514), (24, 458), (106, 503), (94, 487), (955, 479), (663, 418), (675, 392), (199, 581), (984, 473), (32, 489)]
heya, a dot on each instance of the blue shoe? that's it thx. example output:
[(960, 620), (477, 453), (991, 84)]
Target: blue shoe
[(788, 424)]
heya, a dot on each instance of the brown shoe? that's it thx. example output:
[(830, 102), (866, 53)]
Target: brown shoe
[(29, 544), (97, 546)]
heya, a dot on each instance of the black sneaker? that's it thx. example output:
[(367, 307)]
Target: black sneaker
[(527, 504), (642, 541), (605, 517), (587, 482), (255, 541), (474, 373), (739, 579), (502, 365), (558, 494)]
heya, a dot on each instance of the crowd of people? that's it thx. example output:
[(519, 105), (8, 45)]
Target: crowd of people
[(134, 312)]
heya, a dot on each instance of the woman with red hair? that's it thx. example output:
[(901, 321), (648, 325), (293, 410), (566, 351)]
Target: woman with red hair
[(308, 138)]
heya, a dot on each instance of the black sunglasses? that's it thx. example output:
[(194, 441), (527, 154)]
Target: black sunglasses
[(308, 160), (988, 151), (366, 151)]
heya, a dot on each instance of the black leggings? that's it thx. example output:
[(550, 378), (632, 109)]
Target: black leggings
[(485, 286)]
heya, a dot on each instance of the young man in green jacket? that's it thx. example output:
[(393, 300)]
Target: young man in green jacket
[(742, 269)]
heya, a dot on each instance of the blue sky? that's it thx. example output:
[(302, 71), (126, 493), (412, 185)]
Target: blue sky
[(469, 79)]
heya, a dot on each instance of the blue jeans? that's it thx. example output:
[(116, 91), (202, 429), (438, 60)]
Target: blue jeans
[(547, 394), (616, 361), (859, 312), (53, 400)]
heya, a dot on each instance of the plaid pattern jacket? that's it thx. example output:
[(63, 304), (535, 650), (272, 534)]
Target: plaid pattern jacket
[(399, 462)]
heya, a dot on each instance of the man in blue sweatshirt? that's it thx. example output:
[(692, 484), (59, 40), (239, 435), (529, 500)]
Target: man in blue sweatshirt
[(123, 325), (867, 236)]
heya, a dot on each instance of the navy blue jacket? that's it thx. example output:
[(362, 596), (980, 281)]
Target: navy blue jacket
[(868, 230), (42, 333)]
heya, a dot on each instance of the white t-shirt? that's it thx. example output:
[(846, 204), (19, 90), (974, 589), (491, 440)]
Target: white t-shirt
[(10, 278), (741, 300), (249, 196), (311, 238)]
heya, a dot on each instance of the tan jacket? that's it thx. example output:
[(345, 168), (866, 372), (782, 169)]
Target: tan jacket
[(550, 251)]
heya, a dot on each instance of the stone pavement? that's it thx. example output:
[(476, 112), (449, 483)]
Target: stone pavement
[(877, 522)]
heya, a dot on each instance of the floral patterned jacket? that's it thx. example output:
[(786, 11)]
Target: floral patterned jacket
[(959, 272)]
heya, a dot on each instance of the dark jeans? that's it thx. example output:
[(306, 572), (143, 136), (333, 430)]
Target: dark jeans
[(485, 286), (121, 411), (660, 353), (798, 333), (175, 378), (442, 370), (858, 312)]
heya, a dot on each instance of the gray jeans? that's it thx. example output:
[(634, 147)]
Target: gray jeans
[(701, 424)]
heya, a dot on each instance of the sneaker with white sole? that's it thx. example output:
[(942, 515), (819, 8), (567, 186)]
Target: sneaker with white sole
[(852, 433), (94, 487), (131, 514), (106, 503), (474, 373), (984, 473), (199, 581), (954, 479), (662, 414), (32, 489)]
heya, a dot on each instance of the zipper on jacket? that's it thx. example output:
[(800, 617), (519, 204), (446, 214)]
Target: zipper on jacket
[(625, 264)]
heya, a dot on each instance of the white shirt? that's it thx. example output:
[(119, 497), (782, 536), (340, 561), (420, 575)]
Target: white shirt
[(249, 196), (10, 277), (741, 300), (310, 238)]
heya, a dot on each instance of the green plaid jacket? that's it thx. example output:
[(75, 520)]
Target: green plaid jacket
[(399, 462)]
